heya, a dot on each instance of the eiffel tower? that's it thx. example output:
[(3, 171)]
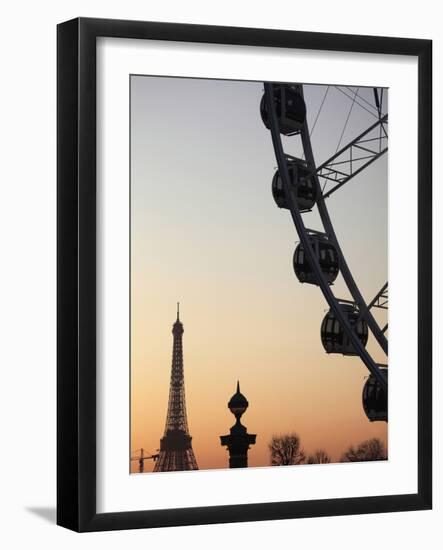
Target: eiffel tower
[(175, 446)]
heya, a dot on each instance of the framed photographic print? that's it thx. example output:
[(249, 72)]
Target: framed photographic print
[(244, 224)]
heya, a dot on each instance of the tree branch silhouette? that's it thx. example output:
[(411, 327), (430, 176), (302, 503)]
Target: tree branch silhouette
[(319, 457), (285, 450), (371, 449)]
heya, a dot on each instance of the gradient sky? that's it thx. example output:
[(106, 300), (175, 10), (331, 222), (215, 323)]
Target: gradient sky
[(205, 231)]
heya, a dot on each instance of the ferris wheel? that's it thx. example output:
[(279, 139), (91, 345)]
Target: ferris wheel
[(300, 186)]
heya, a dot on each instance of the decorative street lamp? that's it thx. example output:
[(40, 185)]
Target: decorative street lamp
[(238, 440)]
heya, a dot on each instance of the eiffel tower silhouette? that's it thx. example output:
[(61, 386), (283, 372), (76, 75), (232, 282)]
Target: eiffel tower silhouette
[(176, 451)]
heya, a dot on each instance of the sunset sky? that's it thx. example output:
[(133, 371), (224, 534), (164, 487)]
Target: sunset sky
[(205, 231)]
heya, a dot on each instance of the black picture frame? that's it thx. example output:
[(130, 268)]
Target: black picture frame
[(76, 273)]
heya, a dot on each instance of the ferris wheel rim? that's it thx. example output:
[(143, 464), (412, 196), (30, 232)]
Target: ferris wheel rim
[(329, 227), (304, 238)]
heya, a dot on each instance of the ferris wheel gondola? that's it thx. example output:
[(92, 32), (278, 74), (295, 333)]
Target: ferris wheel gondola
[(302, 185), (375, 399), (333, 336), (290, 109), (326, 255)]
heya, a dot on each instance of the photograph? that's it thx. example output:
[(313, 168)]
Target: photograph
[(258, 274), (220, 295)]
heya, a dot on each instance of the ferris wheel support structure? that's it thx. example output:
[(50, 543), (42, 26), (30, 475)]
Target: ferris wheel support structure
[(326, 220), (304, 238)]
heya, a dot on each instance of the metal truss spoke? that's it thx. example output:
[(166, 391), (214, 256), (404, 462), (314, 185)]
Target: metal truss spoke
[(358, 103), (349, 155), (362, 98), (379, 301)]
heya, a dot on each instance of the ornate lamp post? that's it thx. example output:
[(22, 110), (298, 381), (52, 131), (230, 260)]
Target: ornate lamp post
[(238, 441)]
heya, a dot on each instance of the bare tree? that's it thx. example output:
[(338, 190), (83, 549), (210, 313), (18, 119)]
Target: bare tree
[(319, 457), (286, 450), (371, 449)]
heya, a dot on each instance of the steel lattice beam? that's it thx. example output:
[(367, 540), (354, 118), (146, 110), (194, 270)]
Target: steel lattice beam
[(381, 299), (354, 157)]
